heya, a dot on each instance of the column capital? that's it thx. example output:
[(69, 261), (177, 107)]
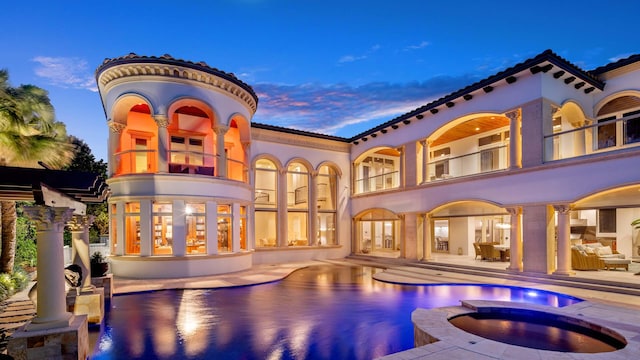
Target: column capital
[(115, 127), (220, 129), (245, 144), (513, 211), (80, 222), (162, 120), (562, 208), (514, 114), (48, 218)]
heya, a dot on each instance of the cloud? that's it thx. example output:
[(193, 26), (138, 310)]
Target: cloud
[(345, 110), (66, 72), (351, 58), (422, 45)]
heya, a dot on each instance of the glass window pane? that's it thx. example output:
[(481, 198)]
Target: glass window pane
[(297, 223), (265, 228)]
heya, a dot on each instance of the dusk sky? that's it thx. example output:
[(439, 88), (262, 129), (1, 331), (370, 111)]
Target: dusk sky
[(332, 67)]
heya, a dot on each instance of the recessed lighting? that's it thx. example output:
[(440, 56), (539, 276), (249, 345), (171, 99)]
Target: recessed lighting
[(477, 129)]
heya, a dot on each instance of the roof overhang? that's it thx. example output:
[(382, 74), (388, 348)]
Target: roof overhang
[(52, 187)]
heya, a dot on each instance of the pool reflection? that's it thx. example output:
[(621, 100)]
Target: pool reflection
[(322, 312)]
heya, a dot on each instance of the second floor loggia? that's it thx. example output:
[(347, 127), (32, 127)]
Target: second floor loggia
[(188, 144)]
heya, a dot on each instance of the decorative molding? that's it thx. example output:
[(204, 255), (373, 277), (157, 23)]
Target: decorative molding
[(80, 222), (175, 72), (220, 129), (115, 127), (562, 208), (513, 114), (49, 218), (161, 119)]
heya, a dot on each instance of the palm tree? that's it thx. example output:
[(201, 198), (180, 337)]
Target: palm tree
[(29, 134)]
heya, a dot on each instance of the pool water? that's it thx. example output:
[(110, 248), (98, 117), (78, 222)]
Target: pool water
[(321, 312), (538, 330)]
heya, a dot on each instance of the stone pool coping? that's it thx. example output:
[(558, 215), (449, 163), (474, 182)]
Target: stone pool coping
[(445, 341)]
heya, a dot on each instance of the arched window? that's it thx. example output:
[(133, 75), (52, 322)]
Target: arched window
[(326, 196), (619, 116), (297, 204), (265, 202), (377, 231), (377, 170)]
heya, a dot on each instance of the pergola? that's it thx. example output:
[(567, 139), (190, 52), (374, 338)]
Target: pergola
[(60, 199)]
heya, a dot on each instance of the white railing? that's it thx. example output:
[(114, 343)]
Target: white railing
[(484, 161)]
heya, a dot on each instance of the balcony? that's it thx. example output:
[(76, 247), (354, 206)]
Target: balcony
[(603, 136), (380, 182), (483, 161)]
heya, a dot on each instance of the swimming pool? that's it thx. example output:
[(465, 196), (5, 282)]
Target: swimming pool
[(321, 312)]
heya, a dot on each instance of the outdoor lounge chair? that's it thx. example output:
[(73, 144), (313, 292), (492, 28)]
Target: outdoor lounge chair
[(489, 252)]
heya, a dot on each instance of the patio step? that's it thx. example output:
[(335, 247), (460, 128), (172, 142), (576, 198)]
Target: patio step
[(590, 284)]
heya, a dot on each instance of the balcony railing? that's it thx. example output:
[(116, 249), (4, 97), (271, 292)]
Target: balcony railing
[(598, 137), (134, 162), (179, 162), (486, 160), (380, 182), (192, 162), (237, 170)]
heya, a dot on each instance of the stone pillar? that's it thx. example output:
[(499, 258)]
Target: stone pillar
[(515, 241), (178, 228), (52, 305), (563, 266), (410, 243), (537, 228), (221, 156), (425, 160), (146, 231), (115, 130), (163, 142), (120, 232), (514, 139), (402, 167), (212, 227), (426, 237), (283, 204), (80, 254), (246, 146), (235, 227), (313, 209)]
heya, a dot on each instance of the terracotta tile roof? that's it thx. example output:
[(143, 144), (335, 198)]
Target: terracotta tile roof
[(298, 132), (614, 65), (168, 59), (546, 56)]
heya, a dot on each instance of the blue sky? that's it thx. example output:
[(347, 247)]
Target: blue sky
[(333, 67)]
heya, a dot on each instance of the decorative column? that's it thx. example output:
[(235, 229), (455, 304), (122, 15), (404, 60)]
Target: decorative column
[(52, 306), (220, 130), (401, 167), (212, 227), (79, 226), (246, 147), (515, 241), (163, 142), (283, 205), (313, 209), (235, 228), (563, 247), (514, 138), (115, 130), (425, 160), (426, 237)]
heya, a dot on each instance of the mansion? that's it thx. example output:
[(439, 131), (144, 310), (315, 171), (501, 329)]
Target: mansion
[(537, 158)]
